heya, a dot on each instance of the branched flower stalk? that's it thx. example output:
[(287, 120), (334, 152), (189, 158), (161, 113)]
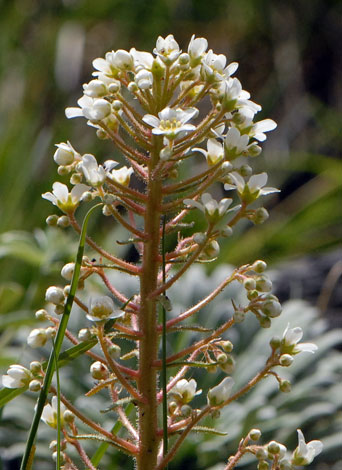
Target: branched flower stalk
[(150, 106)]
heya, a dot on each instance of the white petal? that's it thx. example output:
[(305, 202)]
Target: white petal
[(151, 120), (77, 191), (257, 181), (73, 112), (60, 191)]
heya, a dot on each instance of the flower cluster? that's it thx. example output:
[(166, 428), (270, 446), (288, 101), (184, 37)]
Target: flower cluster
[(148, 105)]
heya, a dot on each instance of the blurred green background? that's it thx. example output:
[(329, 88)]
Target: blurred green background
[(289, 60)]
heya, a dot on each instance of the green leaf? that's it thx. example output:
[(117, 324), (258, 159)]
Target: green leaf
[(10, 293), (7, 394)]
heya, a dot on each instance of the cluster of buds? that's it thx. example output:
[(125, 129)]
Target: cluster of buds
[(148, 105)]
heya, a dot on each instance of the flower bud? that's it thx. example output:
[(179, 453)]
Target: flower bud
[(64, 154), (35, 386), (260, 216), (37, 338), (109, 198), (263, 465), (17, 377), (59, 309), (229, 365), (54, 295), (41, 314), (114, 87), (259, 266), (101, 307), (106, 210), (67, 289), (51, 220), (285, 386), (76, 178), (261, 453), (222, 358), (273, 448), (68, 271), (68, 416), (245, 170), (285, 465), (249, 284), (99, 371), (215, 414), (227, 232), (217, 395), (114, 351), (263, 284), (117, 105), (186, 411), (275, 342), (63, 170), (35, 367), (227, 346), (285, 360), (55, 457), (252, 294), (255, 434), (132, 87), (165, 153), (63, 221), (271, 308), (84, 334), (95, 89), (239, 316), (184, 58)]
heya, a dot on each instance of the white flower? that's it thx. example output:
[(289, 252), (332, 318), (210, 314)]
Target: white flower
[(95, 174), (144, 79), (95, 89), (65, 154), (102, 308), (17, 377), (220, 393), (121, 176), (210, 207), (94, 109), (142, 59), (230, 91), (37, 338), (251, 190), (305, 453), (49, 414), (171, 122), (214, 66), (185, 390), (214, 152), (259, 128), (122, 60), (61, 197), (68, 271), (167, 49), (54, 295), (113, 63), (196, 49), (291, 337), (235, 143)]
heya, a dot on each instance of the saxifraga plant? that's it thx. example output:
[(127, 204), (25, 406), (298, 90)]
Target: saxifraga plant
[(144, 104)]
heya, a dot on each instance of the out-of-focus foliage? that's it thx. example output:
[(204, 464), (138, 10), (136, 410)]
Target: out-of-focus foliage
[(314, 405)]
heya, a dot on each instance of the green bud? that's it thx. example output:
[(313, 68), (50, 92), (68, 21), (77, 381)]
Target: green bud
[(76, 178), (264, 322), (63, 221), (35, 386), (68, 416), (254, 150), (273, 448), (260, 216), (172, 407), (275, 342), (106, 210), (249, 284), (35, 367), (227, 346), (51, 220), (184, 58), (114, 351), (252, 294), (101, 134), (222, 358), (271, 308), (263, 465), (263, 284), (114, 87), (41, 315), (227, 232), (255, 434), (239, 316), (285, 360), (87, 196), (63, 170), (132, 87), (84, 334), (245, 170), (229, 365), (109, 198), (117, 105), (285, 465), (215, 414), (285, 386), (259, 266), (261, 453), (186, 411), (59, 309)]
